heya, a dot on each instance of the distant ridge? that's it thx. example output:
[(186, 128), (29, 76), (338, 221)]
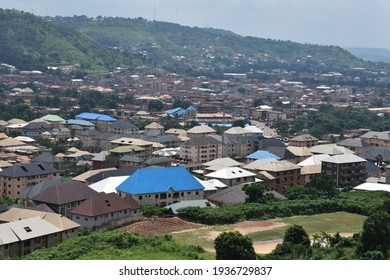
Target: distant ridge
[(30, 43), (371, 54)]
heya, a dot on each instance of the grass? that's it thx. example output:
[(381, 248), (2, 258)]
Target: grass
[(341, 222)]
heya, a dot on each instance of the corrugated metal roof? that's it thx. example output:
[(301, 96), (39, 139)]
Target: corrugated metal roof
[(95, 117), (159, 180), (31, 228)]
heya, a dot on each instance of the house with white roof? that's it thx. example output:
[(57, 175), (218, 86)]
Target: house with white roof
[(345, 169), (232, 176)]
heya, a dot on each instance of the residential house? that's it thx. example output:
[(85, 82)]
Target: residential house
[(22, 231), (154, 129), (232, 176), (330, 149), (300, 153), (114, 156), (110, 173), (62, 198), (280, 175), (260, 155), (48, 159), (36, 128), (101, 121), (312, 166), (17, 178), (200, 131), (377, 138), (345, 170), (220, 163), (356, 145), (304, 140), (104, 209), (378, 156), (122, 127), (161, 186), (199, 150)]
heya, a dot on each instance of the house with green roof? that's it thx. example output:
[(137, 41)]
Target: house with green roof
[(114, 156)]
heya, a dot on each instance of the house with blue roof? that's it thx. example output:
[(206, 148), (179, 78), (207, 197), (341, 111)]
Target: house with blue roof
[(101, 121), (261, 155), (161, 186), (181, 113)]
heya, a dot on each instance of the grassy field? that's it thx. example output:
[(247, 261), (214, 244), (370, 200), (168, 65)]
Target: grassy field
[(341, 222)]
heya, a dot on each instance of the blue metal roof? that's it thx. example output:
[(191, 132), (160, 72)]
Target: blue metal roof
[(191, 108), (262, 155), (173, 111), (77, 122), (95, 117), (159, 180)]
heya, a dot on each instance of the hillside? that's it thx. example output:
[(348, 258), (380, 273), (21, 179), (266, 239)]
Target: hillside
[(28, 42), (372, 54), (192, 49)]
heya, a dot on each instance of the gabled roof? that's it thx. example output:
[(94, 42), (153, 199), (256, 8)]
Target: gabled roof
[(52, 118), (314, 160), (95, 117), (86, 175), (255, 164), (101, 204), (46, 157), (36, 189), (330, 149), (108, 185), (376, 153), (226, 162), (127, 149), (111, 173), (236, 130), (154, 125), (353, 142), (230, 173), (383, 135), (201, 129), (347, 158), (29, 169), (10, 142), (26, 229), (58, 220), (304, 138), (159, 180), (63, 193), (281, 152), (119, 124), (77, 122), (262, 155), (128, 158), (300, 151), (270, 142), (278, 166)]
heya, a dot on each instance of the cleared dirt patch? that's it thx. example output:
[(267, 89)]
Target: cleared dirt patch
[(157, 226)]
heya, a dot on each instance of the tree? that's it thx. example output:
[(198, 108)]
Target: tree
[(295, 246), (321, 185), (255, 192), (234, 246), (240, 122), (376, 234), (155, 105)]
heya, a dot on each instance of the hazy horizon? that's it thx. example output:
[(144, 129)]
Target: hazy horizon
[(348, 24)]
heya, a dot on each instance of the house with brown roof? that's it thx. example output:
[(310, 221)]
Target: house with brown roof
[(62, 198), (103, 209), (304, 140)]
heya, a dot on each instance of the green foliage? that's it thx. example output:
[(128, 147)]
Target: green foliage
[(376, 234), (297, 235), (30, 43), (152, 210), (116, 245), (155, 105), (240, 123), (234, 246), (320, 186), (256, 193), (353, 202)]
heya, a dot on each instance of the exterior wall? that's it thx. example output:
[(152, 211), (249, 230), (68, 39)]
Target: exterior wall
[(27, 246), (122, 130), (99, 221), (345, 174), (375, 142), (307, 144), (285, 180), (238, 181), (200, 154), (14, 186), (168, 198)]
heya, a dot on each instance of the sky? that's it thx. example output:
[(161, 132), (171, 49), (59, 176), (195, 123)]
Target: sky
[(345, 23)]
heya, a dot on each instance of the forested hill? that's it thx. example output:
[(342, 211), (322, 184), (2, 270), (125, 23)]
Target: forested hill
[(184, 48), (28, 42)]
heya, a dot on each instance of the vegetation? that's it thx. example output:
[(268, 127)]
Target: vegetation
[(30, 43), (234, 246), (115, 245), (360, 203)]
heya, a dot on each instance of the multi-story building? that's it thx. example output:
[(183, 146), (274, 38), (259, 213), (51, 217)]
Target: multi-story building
[(304, 140), (201, 149), (280, 175), (161, 186), (101, 121), (122, 127), (345, 170), (17, 178), (377, 138)]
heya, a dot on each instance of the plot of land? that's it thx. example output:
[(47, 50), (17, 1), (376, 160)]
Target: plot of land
[(264, 234)]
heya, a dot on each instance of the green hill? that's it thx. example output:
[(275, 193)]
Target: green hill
[(184, 48), (28, 42)]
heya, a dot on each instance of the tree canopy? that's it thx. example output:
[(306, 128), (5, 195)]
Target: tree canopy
[(234, 246)]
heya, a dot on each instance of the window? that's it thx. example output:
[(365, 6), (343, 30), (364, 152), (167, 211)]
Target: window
[(6, 247), (140, 197), (55, 235), (27, 229)]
